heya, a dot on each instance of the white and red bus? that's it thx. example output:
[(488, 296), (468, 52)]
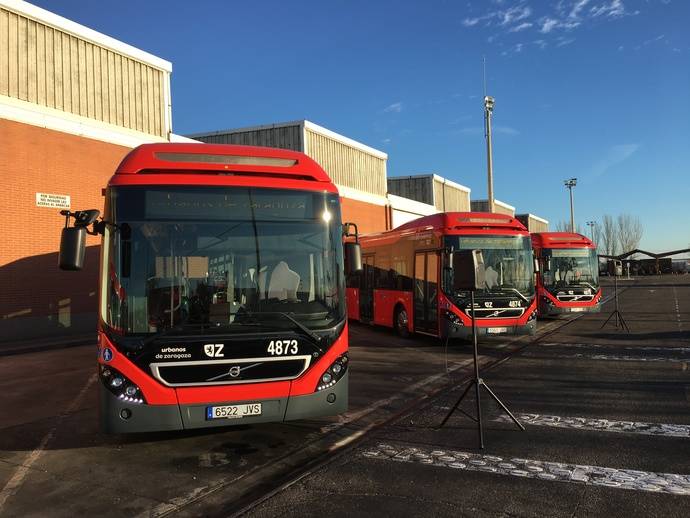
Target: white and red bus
[(568, 280), (407, 279), (222, 296)]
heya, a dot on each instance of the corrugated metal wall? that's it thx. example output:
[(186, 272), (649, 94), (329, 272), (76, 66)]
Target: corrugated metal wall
[(483, 206), (49, 67), (450, 199), (284, 137), (347, 165), (415, 188), (537, 226)]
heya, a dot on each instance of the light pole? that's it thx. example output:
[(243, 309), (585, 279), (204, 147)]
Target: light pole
[(591, 224), (488, 110), (570, 184)]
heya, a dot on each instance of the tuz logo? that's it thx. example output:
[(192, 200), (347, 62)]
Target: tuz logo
[(234, 371), (214, 351)]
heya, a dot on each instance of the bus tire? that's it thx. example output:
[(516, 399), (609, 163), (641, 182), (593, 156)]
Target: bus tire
[(401, 322)]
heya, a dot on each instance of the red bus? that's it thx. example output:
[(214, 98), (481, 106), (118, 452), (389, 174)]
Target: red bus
[(568, 280), (406, 281), (222, 295)]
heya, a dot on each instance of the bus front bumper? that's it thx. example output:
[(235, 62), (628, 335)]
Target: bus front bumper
[(118, 416), (465, 332), (550, 309)]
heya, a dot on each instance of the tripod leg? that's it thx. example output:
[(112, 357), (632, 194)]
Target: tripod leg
[(624, 324), (457, 403), (479, 414), (607, 321), (505, 408)]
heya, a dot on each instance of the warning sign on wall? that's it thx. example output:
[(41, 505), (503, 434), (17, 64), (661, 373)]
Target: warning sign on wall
[(52, 201)]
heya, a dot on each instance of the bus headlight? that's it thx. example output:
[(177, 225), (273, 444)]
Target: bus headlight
[(334, 372), (120, 386)]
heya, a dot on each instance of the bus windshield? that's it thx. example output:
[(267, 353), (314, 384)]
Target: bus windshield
[(508, 263), (571, 267), (204, 258)]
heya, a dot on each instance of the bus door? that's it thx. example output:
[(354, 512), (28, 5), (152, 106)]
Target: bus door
[(366, 290), (426, 292)]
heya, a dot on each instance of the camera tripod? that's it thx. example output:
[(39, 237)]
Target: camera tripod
[(616, 315), (477, 382)]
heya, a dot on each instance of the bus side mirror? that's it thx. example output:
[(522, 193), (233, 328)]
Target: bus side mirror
[(547, 264), (72, 248), (353, 257)]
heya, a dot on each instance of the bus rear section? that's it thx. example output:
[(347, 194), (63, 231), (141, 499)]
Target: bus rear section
[(568, 278), (407, 277), (222, 295)]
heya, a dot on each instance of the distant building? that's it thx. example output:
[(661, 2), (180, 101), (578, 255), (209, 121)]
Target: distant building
[(499, 207), (533, 223), (431, 189)]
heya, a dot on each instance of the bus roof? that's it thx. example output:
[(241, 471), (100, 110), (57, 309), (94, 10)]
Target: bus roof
[(464, 221), (166, 159), (560, 240)]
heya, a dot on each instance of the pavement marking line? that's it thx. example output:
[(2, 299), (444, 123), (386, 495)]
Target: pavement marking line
[(613, 357), (15, 482), (614, 346), (537, 469), (601, 425), (678, 320)]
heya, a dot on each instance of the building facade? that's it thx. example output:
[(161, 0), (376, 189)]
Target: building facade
[(73, 102)]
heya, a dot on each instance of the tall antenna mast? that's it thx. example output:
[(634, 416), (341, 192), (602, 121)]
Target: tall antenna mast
[(488, 109)]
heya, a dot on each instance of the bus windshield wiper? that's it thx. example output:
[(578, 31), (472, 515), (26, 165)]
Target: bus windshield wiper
[(297, 324)]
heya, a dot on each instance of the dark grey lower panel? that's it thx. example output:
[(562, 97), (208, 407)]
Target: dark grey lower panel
[(143, 418), (272, 410), (465, 332), (317, 405), (154, 418)]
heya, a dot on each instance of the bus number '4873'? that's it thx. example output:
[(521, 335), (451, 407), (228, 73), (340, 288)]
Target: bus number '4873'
[(282, 347)]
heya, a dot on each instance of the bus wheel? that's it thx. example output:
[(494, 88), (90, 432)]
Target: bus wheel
[(401, 322)]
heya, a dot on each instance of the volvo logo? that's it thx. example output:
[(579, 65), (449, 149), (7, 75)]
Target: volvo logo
[(233, 372)]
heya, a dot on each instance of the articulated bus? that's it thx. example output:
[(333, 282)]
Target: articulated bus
[(569, 273), (222, 288), (407, 277)]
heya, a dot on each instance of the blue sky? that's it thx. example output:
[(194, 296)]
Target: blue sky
[(593, 89)]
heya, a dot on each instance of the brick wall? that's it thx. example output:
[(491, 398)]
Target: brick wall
[(368, 216), (36, 297)]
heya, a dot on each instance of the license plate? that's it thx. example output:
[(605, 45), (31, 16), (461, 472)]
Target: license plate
[(496, 330), (233, 411), (576, 310)]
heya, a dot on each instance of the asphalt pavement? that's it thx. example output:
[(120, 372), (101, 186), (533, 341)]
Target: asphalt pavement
[(607, 418)]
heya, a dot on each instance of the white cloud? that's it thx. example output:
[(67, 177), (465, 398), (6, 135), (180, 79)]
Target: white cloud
[(614, 9), (577, 7), (514, 14), (614, 156), (521, 27), (542, 44), (393, 108), (547, 25), (562, 42), (470, 22)]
